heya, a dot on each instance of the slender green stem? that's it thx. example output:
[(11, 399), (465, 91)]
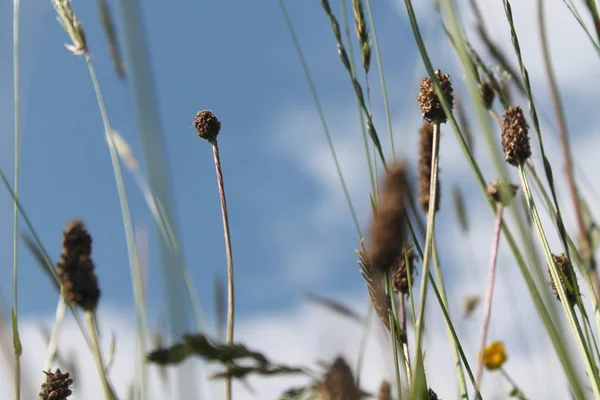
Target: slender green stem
[(489, 292), (583, 347), (136, 278), (519, 394), (363, 342), (428, 246), (362, 109), (230, 288), (16, 340), (91, 321), (402, 316), (566, 150), (462, 385), (394, 333)]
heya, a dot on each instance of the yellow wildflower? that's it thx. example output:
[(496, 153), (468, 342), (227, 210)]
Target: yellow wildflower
[(494, 356)]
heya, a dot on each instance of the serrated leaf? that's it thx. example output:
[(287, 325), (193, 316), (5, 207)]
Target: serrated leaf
[(15, 331)]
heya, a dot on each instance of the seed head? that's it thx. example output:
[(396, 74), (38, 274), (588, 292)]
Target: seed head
[(385, 391), (431, 107), (502, 193), (400, 272), (72, 26), (515, 139), (487, 94), (75, 268), (389, 221), (207, 125), (567, 278), (56, 386), (338, 383), (433, 395), (425, 157)]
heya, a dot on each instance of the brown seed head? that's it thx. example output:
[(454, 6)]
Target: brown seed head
[(425, 156), (400, 273), (76, 239), (515, 139), (487, 94), (56, 386), (431, 107), (389, 222), (338, 383), (75, 268), (433, 395), (567, 278), (385, 391), (207, 125), (502, 193)]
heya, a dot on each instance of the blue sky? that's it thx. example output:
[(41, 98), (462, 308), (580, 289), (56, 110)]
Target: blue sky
[(291, 229), (239, 63)]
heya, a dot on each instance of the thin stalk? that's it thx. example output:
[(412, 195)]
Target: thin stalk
[(388, 114), (15, 329), (53, 344), (428, 245), (519, 394), (487, 311), (394, 332), (462, 385), (91, 321), (583, 347), (136, 278), (363, 342), (566, 150), (371, 164), (230, 292), (402, 313)]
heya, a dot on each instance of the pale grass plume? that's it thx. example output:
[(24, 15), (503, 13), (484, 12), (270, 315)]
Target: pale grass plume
[(71, 24)]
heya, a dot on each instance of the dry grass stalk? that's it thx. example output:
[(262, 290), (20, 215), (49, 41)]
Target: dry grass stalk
[(425, 156)]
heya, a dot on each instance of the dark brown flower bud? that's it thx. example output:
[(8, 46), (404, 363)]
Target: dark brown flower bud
[(400, 272), (389, 221), (338, 383), (425, 156), (56, 386), (431, 107), (385, 391), (207, 125), (515, 137), (502, 193), (75, 268), (567, 278), (76, 239), (487, 94), (433, 395)]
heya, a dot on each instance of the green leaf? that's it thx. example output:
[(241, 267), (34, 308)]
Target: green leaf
[(172, 355), (15, 331)]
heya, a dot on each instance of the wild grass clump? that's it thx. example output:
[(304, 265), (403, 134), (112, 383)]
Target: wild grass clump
[(481, 103)]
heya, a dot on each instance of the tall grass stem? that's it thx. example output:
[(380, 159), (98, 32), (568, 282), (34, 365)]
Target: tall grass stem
[(229, 254)]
